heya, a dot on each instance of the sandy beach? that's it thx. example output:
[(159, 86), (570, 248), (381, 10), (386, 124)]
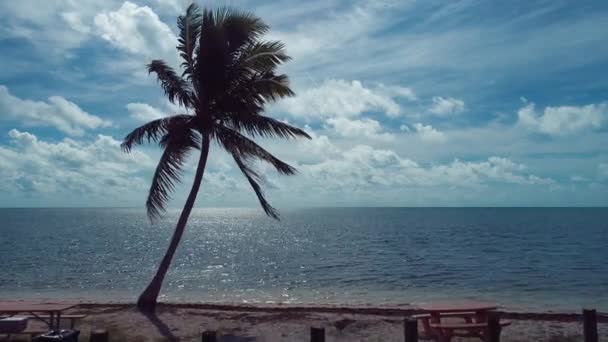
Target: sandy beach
[(185, 322)]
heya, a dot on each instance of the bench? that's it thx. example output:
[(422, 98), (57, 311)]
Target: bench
[(445, 314), (449, 330)]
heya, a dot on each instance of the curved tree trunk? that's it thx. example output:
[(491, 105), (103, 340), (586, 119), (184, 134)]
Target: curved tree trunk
[(147, 300)]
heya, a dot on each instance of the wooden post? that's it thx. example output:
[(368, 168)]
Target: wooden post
[(493, 329), (209, 336), (99, 335), (410, 330), (317, 335), (590, 325)]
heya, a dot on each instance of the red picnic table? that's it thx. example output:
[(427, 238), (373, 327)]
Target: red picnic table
[(37, 311), (436, 326)]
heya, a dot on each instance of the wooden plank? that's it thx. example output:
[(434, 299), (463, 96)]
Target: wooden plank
[(454, 326), (590, 325), (410, 329), (63, 316), (457, 307), (29, 307)]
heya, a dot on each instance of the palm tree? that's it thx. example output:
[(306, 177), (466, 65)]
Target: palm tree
[(228, 75)]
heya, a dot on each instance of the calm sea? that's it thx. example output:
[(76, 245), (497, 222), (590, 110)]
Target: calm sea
[(547, 259)]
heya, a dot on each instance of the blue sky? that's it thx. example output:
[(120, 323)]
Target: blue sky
[(410, 103)]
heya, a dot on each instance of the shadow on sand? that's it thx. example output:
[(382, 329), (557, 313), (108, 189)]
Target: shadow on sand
[(166, 332), (162, 327)]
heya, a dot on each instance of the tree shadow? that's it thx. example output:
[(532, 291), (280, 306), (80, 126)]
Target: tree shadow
[(162, 327)]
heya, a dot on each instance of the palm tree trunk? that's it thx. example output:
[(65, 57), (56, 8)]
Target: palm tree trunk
[(147, 300)]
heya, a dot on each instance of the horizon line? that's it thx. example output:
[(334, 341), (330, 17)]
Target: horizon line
[(330, 207)]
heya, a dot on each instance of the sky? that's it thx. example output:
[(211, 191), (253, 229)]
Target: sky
[(409, 103)]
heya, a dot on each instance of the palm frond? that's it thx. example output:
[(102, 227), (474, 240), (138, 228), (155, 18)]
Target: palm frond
[(153, 131), (241, 146), (263, 56), (175, 87), (189, 26), (254, 180), (240, 27), (180, 139), (263, 126), (273, 87), (241, 107)]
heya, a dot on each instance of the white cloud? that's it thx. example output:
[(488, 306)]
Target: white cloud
[(52, 26), (428, 133), (366, 167), (358, 128), (563, 120), (348, 99), (317, 31), (69, 167), (137, 30), (317, 148), (144, 112), (57, 112), (578, 179), (444, 106), (76, 22)]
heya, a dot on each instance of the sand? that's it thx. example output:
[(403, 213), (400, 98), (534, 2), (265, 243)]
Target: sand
[(277, 323)]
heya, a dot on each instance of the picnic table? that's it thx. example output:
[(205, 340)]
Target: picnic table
[(436, 326), (37, 311)]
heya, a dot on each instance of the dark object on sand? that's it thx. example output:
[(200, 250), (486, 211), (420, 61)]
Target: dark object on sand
[(410, 330), (99, 335), (58, 335), (209, 336), (317, 335), (590, 325), (13, 325), (494, 327)]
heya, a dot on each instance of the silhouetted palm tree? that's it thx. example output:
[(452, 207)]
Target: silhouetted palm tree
[(229, 74)]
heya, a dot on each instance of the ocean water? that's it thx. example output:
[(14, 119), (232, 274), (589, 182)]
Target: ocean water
[(522, 258)]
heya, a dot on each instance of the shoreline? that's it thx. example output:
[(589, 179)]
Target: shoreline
[(351, 310), (401, 310), (292, 323)]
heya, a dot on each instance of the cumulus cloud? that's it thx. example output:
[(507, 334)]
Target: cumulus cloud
[(315, 149), (70, 167), (56, 112), (137, 30), (346, 99), (563, 120), (428, 133), (144, 112), (444, 106), (52, 26), (358, 128), (365, 166)]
